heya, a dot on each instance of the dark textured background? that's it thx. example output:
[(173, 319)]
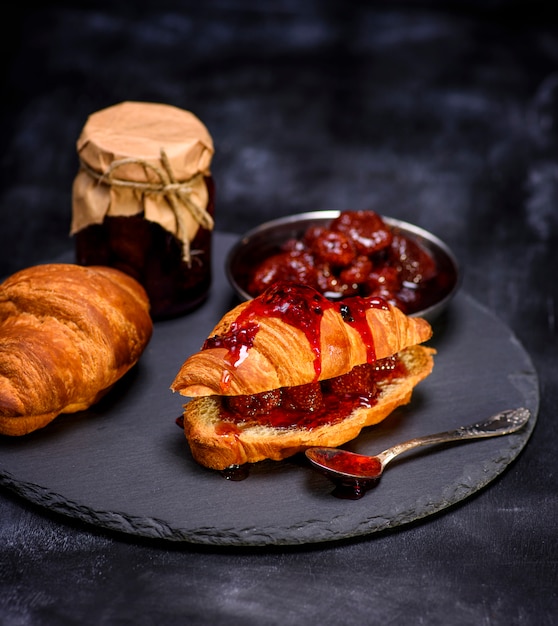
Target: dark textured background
[(444, 114)]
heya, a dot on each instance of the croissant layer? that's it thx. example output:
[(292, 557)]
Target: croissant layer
[(67, 334), (292, 336)]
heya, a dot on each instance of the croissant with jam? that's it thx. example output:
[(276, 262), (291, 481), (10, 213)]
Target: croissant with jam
[(291, 369), (67, 334)]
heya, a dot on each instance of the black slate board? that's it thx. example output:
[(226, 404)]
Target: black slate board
[(124, 465)]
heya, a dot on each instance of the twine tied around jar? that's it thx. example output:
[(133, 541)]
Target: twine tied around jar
[(177, 194)]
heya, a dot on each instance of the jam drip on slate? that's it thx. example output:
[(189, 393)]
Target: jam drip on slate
[(299, 306)]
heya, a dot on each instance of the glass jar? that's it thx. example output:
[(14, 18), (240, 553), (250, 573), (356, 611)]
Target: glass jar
[(143, 201)]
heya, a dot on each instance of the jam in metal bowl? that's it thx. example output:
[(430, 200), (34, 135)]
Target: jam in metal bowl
[(421, 269)]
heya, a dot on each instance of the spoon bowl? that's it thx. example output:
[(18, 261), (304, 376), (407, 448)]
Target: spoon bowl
[(354, 473)]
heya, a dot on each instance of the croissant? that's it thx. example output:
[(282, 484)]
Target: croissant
[(255, 378), (67, 334)]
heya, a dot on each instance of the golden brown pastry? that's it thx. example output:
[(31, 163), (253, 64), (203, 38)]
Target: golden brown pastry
[(67, 334), (268, 381)]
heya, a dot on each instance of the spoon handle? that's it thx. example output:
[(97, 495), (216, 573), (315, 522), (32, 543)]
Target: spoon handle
[(502, 423)]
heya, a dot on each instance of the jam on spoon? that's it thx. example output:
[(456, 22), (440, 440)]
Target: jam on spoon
[(353, 474)]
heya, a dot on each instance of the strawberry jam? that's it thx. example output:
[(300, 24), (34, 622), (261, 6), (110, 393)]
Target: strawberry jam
[(153, 256), (312, 405), (361, 474), (356, 254), (357, 465)]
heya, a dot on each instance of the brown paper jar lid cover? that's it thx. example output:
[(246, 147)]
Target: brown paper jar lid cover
[(143, 157)]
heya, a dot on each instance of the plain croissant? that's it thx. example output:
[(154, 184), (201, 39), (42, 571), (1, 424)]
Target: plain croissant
[(288, 337), (67, 334)]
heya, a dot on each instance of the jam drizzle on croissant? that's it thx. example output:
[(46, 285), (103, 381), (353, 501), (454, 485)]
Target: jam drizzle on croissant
[(302, 307)]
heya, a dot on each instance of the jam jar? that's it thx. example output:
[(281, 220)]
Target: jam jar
[(143, 201)]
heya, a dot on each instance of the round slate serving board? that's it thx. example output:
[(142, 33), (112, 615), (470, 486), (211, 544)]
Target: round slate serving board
[(124, 465)]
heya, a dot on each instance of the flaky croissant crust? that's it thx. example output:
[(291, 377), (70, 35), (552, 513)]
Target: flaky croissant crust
[(67, 334), (282, 355)]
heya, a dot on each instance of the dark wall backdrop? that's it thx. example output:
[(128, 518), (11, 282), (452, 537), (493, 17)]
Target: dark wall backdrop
[(408, 108)]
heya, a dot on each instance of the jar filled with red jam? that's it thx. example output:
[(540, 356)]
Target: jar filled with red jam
[(143, 201)]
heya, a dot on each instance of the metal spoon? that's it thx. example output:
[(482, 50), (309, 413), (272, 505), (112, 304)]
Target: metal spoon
[(354, 473)]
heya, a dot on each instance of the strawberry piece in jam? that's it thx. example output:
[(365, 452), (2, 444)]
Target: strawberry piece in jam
[(361, 379), (413, 262), (295, 266), (333, 248), (366, 229), (256, 404), (307, 397)]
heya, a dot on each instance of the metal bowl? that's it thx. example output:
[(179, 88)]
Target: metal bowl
[(267, 238)]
